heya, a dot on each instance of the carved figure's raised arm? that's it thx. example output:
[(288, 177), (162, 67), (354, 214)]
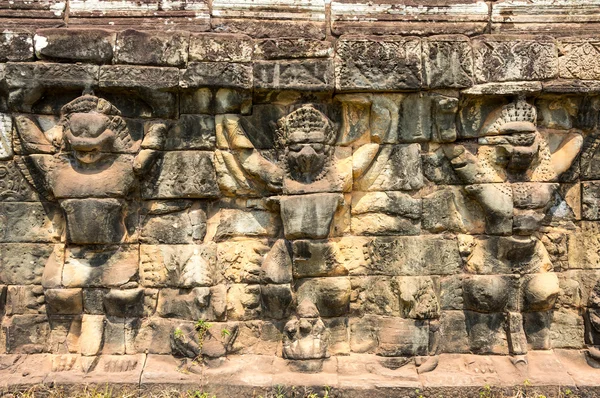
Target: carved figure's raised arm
[(36, 150), (151, 146), (238, 163), (566, 153)]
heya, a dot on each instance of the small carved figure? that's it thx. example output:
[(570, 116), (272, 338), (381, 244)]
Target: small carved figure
[(305, 335)]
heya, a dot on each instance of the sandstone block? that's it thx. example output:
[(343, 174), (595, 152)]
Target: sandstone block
[(308, 216), (24, 299), (448, 62), (397, 168), (409, 256), (152, 48), (305, 75), (30, 222), (424, 18), (216, 101), (240, 261), (385, 213), (182, 266), (378, 63), (193, 304), (289, 48), (192, 132), (316, 258), (243, 302), (427, 117), (16, 46), (13, 186), (330, 295), (376, 295), (277, 301), (75, 45), (172, 222), (217, 74), (26, 334), (590, 200), (64, 301), (246, 223), (100, 266), (27, 82), (207, 47), (23, 263), (581, 247), (129, 76), (182, 174), (498, 59)]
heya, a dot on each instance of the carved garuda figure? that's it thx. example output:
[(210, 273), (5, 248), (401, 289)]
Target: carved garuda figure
[(513, 174), (90, 164)]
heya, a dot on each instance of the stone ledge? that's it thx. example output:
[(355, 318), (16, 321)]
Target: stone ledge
[(547, 372)]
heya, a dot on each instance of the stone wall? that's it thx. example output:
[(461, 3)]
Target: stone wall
[(313, 179)]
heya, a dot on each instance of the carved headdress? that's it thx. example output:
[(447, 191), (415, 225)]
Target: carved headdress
[(306, 118), (518, 116)]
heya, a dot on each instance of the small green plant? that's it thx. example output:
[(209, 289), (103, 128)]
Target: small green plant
[(225, 333), (178, 334), (200, 394), (485, 392), (327, 390), (202, 329), (418, 393)]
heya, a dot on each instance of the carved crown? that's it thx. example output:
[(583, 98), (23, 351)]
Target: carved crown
[(89, 103), (516, 116), (306, 118)]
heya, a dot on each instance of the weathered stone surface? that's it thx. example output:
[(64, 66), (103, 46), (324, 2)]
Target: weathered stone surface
[(220, 47), (409, 256), (580, 247), (182, 174), (289, 48), (385, 213), (27, 81), (78, 45), (289, 18), (125, 76), (330, 295), (306, 75), (100, 266), (423, 18), (447, 62), (378, 63), (198, 303), (498, 59), (30, 222), (178, 266), (397, 168), (217, 74), (23, 263), (26, 334), (172, 222), (16, 46), (152, 48)]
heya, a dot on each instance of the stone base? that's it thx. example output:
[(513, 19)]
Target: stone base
[(548, 373)]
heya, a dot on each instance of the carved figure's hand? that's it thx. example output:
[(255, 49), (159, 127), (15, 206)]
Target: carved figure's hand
[(153, 142)]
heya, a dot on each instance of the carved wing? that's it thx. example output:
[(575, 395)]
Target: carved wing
[(36, 150)]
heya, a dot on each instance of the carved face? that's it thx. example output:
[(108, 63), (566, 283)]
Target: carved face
[(515, 152), (89, 136), (307, 154)]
